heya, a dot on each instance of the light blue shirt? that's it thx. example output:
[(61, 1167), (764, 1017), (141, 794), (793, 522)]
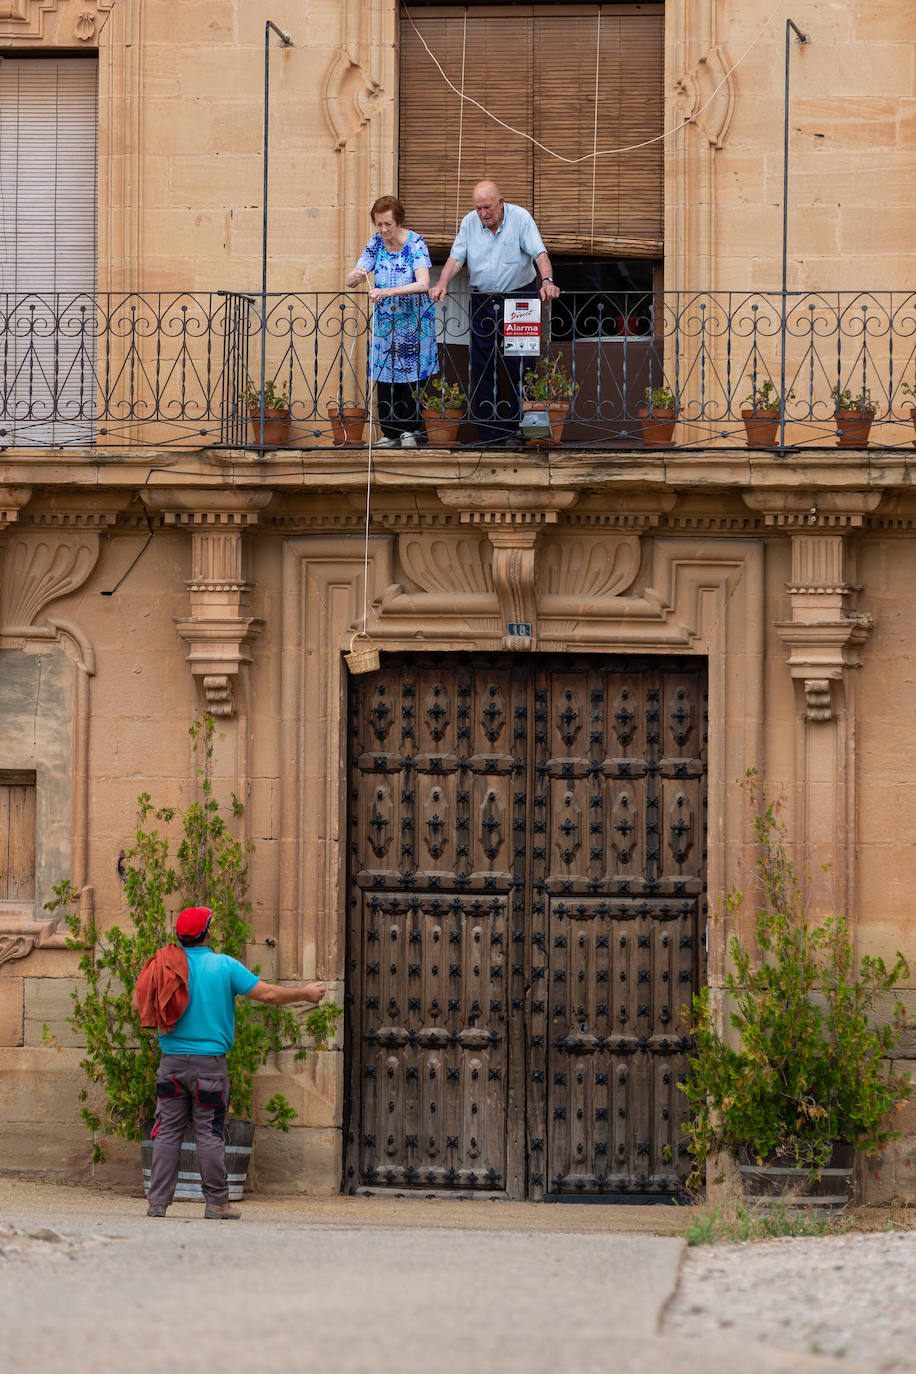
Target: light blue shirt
[(207, 1024), (503, 261)]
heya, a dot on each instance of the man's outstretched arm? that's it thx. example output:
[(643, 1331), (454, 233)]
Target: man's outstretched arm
[(280, 997)]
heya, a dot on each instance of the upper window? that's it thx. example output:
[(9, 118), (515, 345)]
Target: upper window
[(577, 80)]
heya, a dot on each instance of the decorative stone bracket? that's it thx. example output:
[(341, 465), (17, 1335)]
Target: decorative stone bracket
[(219, 631), (825, 631), (514, 522)]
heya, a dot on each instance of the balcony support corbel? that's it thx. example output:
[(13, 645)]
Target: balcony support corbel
[(220, 629)]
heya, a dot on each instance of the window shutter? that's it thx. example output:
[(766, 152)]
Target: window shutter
[(432, 127), (536, 71), (48, 143), (48, 253)]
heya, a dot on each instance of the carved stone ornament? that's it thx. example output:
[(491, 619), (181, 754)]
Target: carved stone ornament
[(825, 631), (19, 935), (708, 96), (55, 23), (40, 567), (12, 500), (351, 98)]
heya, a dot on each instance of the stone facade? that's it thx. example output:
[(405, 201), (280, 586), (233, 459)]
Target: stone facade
[(792, 575)]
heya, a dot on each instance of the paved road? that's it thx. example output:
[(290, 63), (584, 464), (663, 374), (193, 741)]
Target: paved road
[(347, 1285)]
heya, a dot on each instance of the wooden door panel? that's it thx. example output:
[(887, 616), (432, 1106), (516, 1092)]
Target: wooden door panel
[(433, 768), (622, 803)]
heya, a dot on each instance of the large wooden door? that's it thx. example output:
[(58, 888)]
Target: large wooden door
[(526, 880)]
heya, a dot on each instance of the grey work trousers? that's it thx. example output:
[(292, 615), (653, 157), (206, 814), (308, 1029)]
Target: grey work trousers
[(190, 1087)]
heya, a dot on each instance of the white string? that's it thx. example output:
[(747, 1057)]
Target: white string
[(595, 131), (605, 152), (464, 43), (368, 466)]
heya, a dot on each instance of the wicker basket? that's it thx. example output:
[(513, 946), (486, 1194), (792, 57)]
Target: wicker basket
[(364, 659)]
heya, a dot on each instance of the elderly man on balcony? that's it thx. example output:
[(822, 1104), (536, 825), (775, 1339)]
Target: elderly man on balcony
[(506, 257)]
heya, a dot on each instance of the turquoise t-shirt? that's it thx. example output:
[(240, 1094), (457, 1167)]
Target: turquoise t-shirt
[(207, 1025)]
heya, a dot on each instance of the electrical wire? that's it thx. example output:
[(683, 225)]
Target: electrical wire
[(604, 152)]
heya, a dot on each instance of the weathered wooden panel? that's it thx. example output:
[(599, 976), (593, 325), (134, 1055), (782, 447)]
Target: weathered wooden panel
[(620, 783), (437, 872), (17, 837)]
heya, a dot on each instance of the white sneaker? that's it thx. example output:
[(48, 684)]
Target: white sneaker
[(385, 442), (409, 440)]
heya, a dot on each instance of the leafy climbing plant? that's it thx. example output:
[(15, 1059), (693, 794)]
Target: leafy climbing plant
[(210, 868)]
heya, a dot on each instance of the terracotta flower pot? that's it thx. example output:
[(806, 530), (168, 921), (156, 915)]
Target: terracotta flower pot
[(276, 427), (337, 429), (657, 425), (913, 418), (853, 426), (761, 427), (558, 412), (353, 419), (441, 426)]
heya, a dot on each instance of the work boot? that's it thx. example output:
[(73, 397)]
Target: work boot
[(221, 1211), (155, 1211)]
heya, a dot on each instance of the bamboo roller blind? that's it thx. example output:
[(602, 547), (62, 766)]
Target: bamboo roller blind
[(535, 69)]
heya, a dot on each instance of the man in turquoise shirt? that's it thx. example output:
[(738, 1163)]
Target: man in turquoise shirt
[(505, 256), (193, 1080)]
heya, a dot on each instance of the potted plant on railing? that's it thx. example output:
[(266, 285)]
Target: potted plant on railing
[(761, 418), (276, 414), (120, 1060), (854, 415), (338, 434), (442, 411), (807, 1084), (657, 416), (547, 386)]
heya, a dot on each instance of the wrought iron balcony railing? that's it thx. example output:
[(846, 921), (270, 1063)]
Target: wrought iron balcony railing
[(167, 369)]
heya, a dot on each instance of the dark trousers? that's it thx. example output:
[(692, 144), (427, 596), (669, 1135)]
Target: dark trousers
[(495, 379), (399, 408), (190, 1087)]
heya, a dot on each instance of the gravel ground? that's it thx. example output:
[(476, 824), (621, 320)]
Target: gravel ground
[(849, 1296)]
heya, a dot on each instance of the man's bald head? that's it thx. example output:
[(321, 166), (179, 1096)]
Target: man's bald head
[(488, 202)]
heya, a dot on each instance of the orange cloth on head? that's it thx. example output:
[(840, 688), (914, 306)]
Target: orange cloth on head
[(161, 993)]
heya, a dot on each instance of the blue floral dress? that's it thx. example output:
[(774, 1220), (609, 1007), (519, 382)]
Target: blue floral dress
[(404, 347)]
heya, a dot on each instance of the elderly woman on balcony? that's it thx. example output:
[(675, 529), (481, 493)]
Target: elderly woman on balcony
[(404, 349)]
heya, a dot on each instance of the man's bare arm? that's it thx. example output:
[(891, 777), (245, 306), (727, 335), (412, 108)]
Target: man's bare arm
[(281, 997), (452, 265)]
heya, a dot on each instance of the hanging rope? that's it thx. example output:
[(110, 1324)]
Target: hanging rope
[(464, 44), (368, 465), (604, 152), (595, 130)]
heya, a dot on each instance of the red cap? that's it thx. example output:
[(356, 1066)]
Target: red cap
[(192, 922)]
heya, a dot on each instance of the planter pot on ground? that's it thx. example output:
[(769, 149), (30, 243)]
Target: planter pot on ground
[(441, 426), (761, 427), (778, 1182), (853, 428), (337, 429), (354, 422), (239, 1138), (657, 425), (276, 427), (558, 411)]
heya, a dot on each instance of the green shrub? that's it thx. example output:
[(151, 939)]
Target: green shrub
[(810, 1068), (210, 869)]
